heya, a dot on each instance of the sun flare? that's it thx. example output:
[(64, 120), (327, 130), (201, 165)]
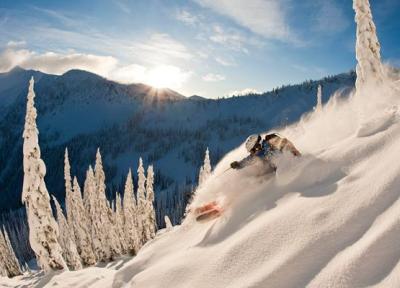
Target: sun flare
[(166, 77)]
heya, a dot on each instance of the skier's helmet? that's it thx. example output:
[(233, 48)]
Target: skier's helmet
[(252, 141), (270, 136)]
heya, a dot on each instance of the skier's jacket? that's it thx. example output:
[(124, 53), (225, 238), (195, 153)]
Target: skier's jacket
[(268, 150)]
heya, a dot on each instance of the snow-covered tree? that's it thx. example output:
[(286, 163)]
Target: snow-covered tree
[(130, 215), (318, 107), (68, 188), (90, 202), (103, 216), (150, 225), (369, 66), (141, 202), (168, 224), (89, 189), (43, 229), (9, 265), (119, 223), (81, 227), (66, 240), (205, 170), (3, 271)]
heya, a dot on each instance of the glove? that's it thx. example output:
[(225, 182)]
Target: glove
[(235, 165)]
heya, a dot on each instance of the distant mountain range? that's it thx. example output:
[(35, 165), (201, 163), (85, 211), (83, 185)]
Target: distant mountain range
[(83, 111)]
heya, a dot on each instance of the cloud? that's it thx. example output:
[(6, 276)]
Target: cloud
[(13, 44), (210, 77), (55, 63), (160, 48), (243, 92), (186, 17), (231, 40), (123, 7), (225, 62), (265, 18), (106, 66)]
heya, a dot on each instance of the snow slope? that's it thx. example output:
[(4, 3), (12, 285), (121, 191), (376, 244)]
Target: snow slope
[(328, 219)]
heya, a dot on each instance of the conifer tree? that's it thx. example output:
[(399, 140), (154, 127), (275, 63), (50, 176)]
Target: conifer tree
[(369, 65), (90, 202), (81, 227), (168, 224), (67, 242), (205, 170), (68, 188), (103, 217), (318, 107), (120, 222), (141, 203), (130, 213), (151, 224), (43, 229), (9, 265)]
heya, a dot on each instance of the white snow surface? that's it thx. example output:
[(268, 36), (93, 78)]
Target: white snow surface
[(328, 219)]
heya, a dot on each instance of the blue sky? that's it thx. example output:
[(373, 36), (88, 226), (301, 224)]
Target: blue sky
[(205, 47)]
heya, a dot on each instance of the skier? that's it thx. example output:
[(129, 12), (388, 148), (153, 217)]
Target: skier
[(266, 150)]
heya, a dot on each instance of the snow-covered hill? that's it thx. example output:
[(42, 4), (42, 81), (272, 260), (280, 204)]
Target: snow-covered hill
[(328, 219)]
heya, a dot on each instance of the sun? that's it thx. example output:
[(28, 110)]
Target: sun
[(166, 77)]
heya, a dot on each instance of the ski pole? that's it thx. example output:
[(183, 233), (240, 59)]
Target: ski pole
[(224, 172)]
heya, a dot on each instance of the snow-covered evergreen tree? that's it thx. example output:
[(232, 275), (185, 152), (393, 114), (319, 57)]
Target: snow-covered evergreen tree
[(205, 170), (81, 227), (89, 189), (369, 66), (102, 218), (43, 229), (3, 272), (150, 225), (90, 202), (168, 224), (130, 215), (318, 107), (119, 223), (9, 265), (141, 203), (66, 240), (68, 188)]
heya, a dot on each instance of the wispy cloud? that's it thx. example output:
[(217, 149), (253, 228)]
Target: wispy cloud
[(211, 77), (265, 18), (186, 17), (13, 44), (225, 61), (123, 6), (160, 47), (230, 40)]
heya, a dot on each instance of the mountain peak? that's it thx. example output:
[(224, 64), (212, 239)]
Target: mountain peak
[(80, 74)]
